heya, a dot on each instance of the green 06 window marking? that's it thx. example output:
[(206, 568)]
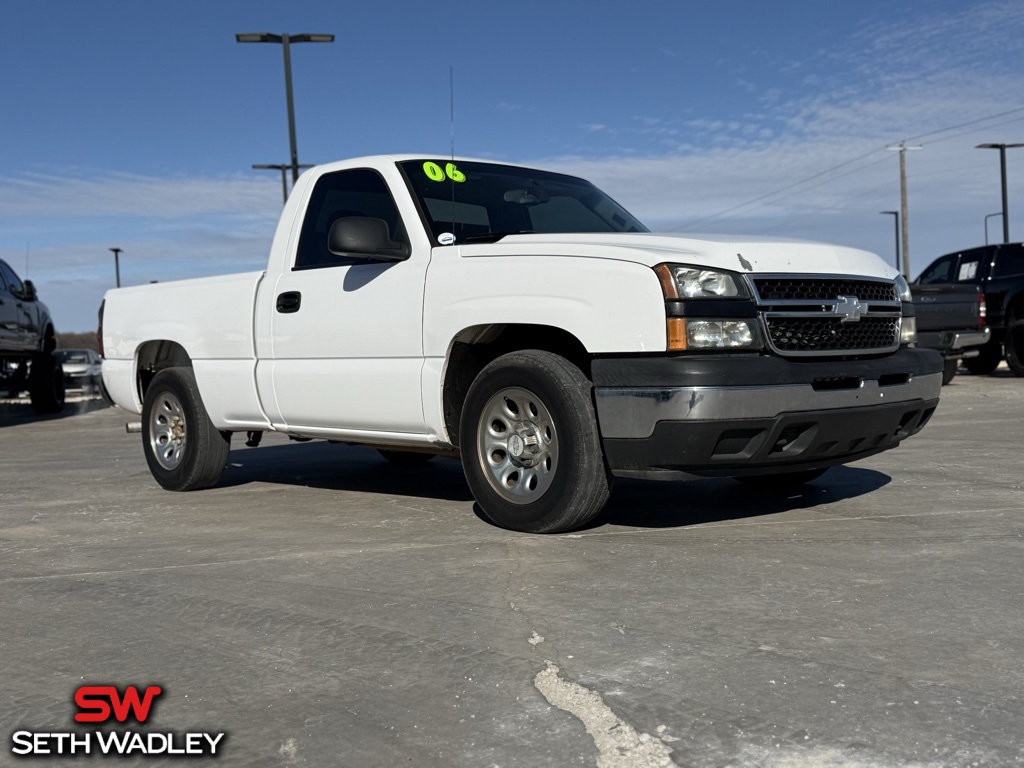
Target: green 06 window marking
[(435, 173)]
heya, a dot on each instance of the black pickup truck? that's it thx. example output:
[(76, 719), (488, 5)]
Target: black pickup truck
[(27, 341), (951, 319), (960, 294)]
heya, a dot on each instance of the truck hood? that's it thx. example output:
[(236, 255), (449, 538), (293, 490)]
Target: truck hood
[(739, 254)]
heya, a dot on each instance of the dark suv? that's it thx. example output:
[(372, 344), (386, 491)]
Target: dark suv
[(998, 271), (27, 341)]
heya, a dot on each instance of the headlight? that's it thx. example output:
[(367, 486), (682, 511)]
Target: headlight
[(679, 281), (691, 334), (904, 288)]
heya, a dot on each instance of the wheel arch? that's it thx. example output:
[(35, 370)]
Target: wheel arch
[(153, 357), (1015, 308), (474, 347)]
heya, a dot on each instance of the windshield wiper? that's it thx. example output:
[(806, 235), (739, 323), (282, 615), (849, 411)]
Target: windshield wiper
[(493, 237)]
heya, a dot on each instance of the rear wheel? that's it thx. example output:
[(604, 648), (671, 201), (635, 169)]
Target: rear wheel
[(46, 383), (1014, 344), (781, 481), (183, 448), (530, 446), (988, 359), (949, 371)]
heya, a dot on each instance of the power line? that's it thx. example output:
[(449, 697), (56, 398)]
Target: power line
[(962, 125), (772, 194), (801, 182)]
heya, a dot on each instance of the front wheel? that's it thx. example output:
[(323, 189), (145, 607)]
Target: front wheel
[(530, 446), (183, 448)]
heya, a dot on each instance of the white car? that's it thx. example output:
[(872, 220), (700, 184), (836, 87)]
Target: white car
[(83, 369)]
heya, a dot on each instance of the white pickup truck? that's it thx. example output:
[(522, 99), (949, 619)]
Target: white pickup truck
[(522, 320)]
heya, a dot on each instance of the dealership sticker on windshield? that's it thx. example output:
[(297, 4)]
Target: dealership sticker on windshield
[(435, 173), (446, 238)]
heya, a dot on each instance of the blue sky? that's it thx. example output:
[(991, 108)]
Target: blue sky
[(135, 124)]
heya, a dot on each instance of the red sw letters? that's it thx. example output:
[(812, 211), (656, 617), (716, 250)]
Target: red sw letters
[(98, 702)]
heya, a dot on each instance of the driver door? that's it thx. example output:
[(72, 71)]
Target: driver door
[(347, 330)]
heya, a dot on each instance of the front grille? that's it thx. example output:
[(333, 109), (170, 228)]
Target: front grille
[(812, 335), (823, 289)]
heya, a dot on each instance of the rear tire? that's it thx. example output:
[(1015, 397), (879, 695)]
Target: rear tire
[(1014, 344), (782, 481), (183, 448), (988, 359), (530, 446), (949, 371), (46, 383)]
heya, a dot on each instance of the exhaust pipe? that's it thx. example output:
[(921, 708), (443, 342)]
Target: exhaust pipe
[(133, 427)]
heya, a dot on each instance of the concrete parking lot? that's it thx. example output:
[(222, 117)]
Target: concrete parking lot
[(324, 608)]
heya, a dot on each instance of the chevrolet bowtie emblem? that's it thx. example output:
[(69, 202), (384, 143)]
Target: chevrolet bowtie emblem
[(850, 309)]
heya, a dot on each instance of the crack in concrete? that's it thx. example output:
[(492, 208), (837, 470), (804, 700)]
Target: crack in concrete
[(619, 745)]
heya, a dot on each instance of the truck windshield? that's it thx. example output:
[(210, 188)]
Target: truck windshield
[(479, 202)]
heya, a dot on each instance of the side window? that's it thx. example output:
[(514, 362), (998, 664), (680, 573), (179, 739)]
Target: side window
[(7, 275), (939, 271), (361, 192), (1009, 261)]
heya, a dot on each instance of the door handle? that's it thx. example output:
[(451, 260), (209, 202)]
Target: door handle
[(290, 301)]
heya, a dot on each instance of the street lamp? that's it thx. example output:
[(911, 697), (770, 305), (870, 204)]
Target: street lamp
[(286, 41), (117, 264), (284, 175), (1002, 167), (986, 224), (896, 219)]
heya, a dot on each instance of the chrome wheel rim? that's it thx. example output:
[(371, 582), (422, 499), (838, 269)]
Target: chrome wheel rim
[(517, 445), (167, 431)]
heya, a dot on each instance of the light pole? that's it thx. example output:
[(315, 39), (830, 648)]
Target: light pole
[(896, 219), (117, 264), (986, 224), (286, 41), (284, 175), (1002, 169)]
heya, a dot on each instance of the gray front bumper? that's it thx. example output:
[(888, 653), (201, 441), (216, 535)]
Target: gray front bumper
[(633, 412)]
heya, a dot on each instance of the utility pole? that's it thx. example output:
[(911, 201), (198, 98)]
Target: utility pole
[(902, 149)]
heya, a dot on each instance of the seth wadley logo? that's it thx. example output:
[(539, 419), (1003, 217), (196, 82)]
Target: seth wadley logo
[(103, 703)]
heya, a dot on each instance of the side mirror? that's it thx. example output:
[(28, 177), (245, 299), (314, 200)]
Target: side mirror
[(28, 291), (366, 237)]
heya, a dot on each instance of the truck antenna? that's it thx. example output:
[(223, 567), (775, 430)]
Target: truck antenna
[(451, 99)]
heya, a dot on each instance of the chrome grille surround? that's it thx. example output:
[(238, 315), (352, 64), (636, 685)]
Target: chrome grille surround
[(812, 315)]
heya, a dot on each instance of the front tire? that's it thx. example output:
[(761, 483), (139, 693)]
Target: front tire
[(531, 451), (183, 448)]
